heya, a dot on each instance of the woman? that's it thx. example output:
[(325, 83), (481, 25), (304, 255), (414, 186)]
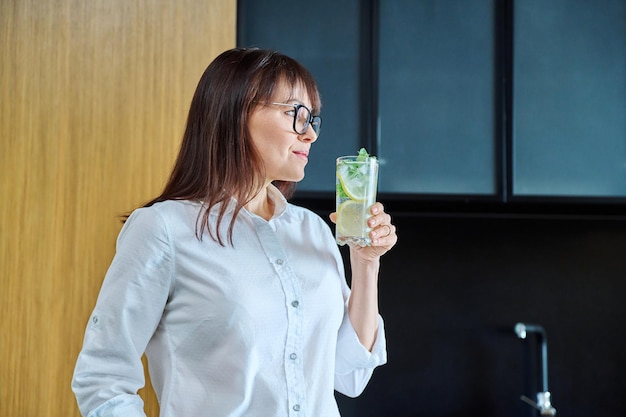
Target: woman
[(237, 297)]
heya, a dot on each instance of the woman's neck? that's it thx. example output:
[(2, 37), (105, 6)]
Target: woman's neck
[(261, 205)]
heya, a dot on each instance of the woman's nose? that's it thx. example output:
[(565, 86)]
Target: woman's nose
[(309, 135)]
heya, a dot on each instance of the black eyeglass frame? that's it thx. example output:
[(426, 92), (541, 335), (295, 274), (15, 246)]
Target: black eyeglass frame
[(314, 121)]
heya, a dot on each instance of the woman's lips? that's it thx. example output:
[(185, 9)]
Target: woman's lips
[(302, 154)]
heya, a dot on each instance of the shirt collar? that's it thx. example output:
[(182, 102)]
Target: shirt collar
[(273, 193)]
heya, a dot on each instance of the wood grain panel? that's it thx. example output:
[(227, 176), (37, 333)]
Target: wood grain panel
[(93, 100)]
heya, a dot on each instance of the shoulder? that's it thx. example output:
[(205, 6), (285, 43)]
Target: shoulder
[(307, 217), (165, 217), (156, 213), (302, 213)]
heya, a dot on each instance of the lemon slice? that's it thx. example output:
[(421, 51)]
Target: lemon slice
[(350, 218), (355, 186)]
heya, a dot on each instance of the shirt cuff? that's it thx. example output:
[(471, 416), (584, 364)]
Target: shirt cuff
[(351, 354)]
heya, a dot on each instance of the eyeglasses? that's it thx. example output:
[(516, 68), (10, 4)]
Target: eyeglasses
[(302, 118)]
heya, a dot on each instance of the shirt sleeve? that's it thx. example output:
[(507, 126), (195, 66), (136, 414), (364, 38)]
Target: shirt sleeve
[(109, 371), (354, 363)]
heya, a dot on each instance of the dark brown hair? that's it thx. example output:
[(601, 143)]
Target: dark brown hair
[(217, 160)]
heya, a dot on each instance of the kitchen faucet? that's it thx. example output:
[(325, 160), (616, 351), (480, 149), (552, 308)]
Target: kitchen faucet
[(543, 403)]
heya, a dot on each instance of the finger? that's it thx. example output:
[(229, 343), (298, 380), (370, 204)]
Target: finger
[(383, 234), (377, 208), (333, 217), (381, 231), (379, 219)]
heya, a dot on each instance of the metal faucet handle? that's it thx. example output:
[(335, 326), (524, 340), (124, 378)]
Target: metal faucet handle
[(543, 404)]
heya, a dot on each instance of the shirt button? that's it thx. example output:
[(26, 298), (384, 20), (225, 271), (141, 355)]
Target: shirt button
[(293, 356), (279, 261), (295, 303), (296, 407)]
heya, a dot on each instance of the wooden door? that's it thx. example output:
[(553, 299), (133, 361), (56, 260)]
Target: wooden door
[(93, 101)]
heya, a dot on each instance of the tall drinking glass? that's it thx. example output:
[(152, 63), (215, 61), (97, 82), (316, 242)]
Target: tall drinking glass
[(356, 182)]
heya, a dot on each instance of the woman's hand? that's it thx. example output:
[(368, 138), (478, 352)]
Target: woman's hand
[(383, 234)]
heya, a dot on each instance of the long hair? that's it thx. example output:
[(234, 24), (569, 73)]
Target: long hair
[(217, 160)]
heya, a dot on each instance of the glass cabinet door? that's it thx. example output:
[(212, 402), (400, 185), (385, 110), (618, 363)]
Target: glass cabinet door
[(569, 108), (437, 109)]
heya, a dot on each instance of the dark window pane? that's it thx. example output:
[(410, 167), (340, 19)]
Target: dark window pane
[(570, 98), (436, 96), (324, 36)]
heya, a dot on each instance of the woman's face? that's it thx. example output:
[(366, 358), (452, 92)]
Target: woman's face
[(284, 152)]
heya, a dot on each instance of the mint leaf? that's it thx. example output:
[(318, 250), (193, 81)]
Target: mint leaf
[(340, 192)]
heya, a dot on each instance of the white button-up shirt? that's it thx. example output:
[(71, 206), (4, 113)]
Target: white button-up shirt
[(258, 329)]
